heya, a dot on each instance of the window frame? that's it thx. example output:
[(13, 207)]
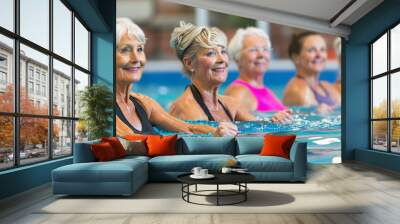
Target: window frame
[(388, 74), (16, 115)]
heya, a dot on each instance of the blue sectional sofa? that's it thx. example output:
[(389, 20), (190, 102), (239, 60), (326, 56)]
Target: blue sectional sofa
[(125, 176)]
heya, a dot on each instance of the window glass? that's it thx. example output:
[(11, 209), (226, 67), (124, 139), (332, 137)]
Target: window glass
[(7, 14), (379, 56), (379, 135), (62, 91), (379, 98), (62, 29), (6, 74), (6, 142), (81, 81), (81, 45), (33, 139), (395, 47), (395, 136), (34, 21), (39, 62), (81, 131), (62, 138), (395, 94)]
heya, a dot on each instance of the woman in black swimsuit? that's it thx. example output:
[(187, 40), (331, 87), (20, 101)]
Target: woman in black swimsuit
[(202, 51), (136, 113)]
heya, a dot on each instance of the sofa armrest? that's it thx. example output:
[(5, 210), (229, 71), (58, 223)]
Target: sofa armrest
[(83, 152), (298, 155)]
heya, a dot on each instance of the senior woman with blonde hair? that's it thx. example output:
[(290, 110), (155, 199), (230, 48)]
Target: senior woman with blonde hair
[(202, 51), (251, 50), (136, 113)]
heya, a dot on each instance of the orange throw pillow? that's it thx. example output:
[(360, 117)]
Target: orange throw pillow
[(135, 137), (103, 151), (161, 145), (116, 145), (277, 145)]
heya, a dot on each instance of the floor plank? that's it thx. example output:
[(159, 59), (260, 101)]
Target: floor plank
[(377, 190)]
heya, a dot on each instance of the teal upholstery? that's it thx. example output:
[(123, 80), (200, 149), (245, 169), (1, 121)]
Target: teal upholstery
[(249, 145), (184, 163), (125, 176), (257, 163), (83, 152), (119, 177), (206, 145)]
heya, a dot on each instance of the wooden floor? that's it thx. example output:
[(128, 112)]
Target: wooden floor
[(377, 188)]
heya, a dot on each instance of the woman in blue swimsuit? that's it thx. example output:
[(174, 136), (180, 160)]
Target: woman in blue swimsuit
[(308, 53)]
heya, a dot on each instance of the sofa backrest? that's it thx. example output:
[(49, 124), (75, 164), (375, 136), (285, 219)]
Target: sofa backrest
[(83, 153), (249, 144), (206, 145)]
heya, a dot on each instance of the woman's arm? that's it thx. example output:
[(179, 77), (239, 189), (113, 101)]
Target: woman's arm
[(157, 115)]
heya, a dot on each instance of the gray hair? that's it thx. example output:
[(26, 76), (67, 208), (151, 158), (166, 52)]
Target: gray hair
[(187, 39), (236, 43), (125, 25)]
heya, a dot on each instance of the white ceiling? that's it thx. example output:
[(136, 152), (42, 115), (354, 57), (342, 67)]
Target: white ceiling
[(317, 15), (320, 9), (325, 16)]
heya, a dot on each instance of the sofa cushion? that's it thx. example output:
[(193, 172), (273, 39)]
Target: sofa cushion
[(103, 152), (159, 145), (249, 144), (83, 153), (257, 163), (112, 171), (185, 163), (277, 145), (206, 145), (134, 147), (116, 145)]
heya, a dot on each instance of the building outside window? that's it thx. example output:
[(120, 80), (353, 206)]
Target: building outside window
[(56, 127), (43, 90), (30, 87), (385, 95), (30, 72), (3, 72)]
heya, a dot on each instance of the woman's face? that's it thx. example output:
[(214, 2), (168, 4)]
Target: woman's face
[(255, 55), (211, 65), (312, 56), (130, 59)]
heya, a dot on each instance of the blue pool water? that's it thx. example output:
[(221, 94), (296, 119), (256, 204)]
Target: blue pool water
[(322, 133)]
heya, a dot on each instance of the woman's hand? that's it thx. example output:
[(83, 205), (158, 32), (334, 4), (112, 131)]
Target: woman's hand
[(282, 117), (226, 129)]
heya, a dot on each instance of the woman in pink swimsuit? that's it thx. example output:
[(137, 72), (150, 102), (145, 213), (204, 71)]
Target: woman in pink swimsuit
[(251, 49)]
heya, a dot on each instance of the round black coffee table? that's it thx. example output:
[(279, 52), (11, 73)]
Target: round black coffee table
[(238, 179)]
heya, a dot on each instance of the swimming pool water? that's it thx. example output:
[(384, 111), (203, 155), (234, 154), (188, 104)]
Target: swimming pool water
[(322, 133)]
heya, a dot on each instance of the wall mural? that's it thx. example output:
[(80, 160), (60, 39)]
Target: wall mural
[(194, 72)]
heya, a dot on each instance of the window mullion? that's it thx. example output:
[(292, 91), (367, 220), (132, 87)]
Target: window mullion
[(16, 84), (389, 106), (50, 81), (73, 82)]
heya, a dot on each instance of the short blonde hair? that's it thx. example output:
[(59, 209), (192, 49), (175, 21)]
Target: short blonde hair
[(236, 43), (187, 39), (125, 25)]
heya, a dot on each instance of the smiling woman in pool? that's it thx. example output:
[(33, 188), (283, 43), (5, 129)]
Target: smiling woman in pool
[(308, 53), (202, 51), (136, 113)]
